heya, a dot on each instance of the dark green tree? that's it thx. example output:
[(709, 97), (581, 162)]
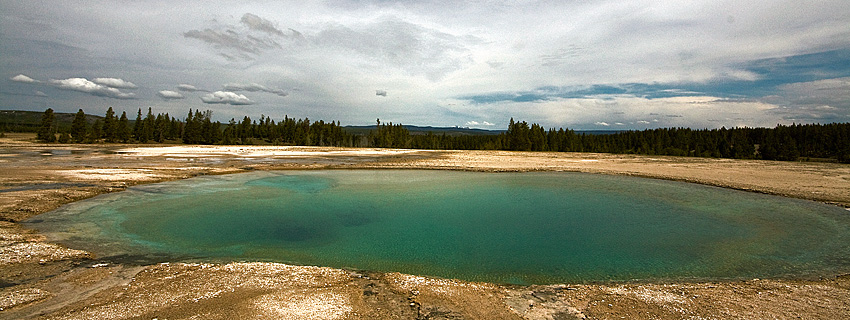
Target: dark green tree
[(244, 130), (229, 136), (64, 137), (191, 130), (79, 130), (138, 130), (110, 126), (518, 136), (47, 130), (122, 129), (96, 131), (537, 137), (148, 126)]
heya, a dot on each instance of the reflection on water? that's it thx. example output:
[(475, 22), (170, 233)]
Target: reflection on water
[(499, 227)]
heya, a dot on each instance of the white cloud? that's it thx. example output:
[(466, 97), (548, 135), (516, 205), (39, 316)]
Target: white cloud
[(254, 87), (188, 88), (417, 49), (169, 94), (226, 97), (604, 124), (830, 92), (115, 83), (84, 85), (24, 79), (39, 93), (474, 123)]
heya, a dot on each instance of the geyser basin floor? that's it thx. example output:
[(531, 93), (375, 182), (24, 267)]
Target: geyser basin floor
[(498, 227)]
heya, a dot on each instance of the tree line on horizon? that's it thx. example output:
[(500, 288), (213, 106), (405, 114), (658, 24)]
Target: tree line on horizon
[(784, 142)]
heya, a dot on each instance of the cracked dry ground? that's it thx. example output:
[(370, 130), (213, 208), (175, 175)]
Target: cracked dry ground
[(39, 279)]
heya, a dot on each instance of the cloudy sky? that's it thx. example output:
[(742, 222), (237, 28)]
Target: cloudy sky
[(588, 64)]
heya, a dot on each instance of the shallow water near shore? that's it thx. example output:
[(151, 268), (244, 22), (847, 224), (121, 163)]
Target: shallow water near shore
[(547, 227)]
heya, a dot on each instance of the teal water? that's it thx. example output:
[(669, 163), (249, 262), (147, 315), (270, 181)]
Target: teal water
[(498, 227)]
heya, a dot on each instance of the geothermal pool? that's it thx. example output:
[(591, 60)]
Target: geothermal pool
[(523, 228)]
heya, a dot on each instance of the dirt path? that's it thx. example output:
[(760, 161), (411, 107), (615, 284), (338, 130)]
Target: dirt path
[(39, 279)]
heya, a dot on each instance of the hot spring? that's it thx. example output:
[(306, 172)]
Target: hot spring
[(523, 228)]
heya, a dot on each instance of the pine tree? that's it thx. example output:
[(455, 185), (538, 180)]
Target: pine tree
[(148, 126), (96, 131), (191, 130), (518, 136), (160, 128), (244, 130), (109, 126), (122, 129), (78, 127), (47, 130), (137, 128), (229, 132)]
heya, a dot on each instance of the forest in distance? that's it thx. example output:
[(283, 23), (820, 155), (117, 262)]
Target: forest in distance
[(821, 142)]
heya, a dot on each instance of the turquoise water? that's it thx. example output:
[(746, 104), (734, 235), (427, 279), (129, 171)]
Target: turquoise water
[(498, 227)]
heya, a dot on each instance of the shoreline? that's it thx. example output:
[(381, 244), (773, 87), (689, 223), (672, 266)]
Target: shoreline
[(38, 280)]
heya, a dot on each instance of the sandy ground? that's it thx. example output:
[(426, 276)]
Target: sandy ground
[(39, 279)]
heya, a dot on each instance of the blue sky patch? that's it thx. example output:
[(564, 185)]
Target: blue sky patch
[(772, 73)]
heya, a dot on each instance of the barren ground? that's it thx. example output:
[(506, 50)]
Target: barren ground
[(39, 279)]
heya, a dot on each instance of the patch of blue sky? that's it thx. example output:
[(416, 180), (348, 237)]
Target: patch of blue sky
[(597, 91), (776, 72), (771, 75)]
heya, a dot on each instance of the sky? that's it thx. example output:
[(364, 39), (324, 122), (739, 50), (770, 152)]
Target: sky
[(584, 65)]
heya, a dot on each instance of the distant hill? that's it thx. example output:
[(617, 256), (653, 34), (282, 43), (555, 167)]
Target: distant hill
[(421, 130), (458, 131), (599, 132), (29, 121)]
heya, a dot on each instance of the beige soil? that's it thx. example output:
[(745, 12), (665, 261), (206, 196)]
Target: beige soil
[(39, 279)]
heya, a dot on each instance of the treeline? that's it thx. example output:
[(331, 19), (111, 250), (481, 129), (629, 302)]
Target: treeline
[(196, 128), (288, 131), (809, 141), (788, 143), (781, 143)]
